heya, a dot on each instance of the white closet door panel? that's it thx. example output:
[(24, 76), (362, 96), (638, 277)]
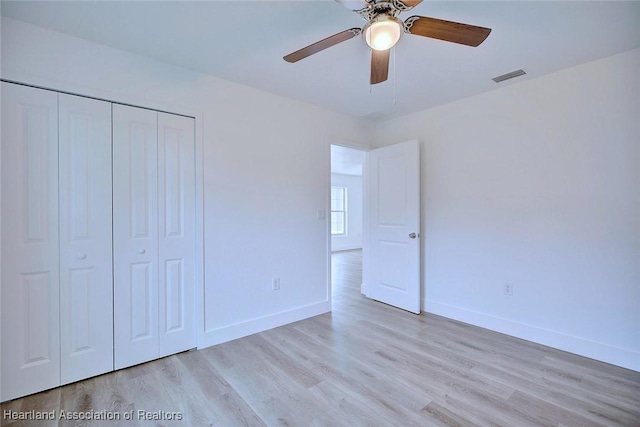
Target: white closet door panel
[(30, 274), (176, 202), (86, 281), (135, 234)]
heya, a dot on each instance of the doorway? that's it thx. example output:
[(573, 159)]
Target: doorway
[(346, 220), (390, 206)]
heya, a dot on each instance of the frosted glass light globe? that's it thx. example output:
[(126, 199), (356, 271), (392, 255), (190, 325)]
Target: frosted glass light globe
[(383, 32)]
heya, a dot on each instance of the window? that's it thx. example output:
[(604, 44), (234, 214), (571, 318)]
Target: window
[(338, 210)]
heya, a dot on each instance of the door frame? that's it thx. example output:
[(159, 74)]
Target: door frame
[(366, 221), (365, 211)]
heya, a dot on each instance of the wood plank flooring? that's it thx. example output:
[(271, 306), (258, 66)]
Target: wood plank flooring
[(365, 364)]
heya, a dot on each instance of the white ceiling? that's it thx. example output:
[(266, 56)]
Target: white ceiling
[(244, 41)]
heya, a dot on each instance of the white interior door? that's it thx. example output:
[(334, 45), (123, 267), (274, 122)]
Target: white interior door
[(30, 268), (86, 282), (135, 234), (176, 210), (394, 222)]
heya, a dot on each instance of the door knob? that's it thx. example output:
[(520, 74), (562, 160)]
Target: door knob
[(81, 256), (412, 235), (141, 251)]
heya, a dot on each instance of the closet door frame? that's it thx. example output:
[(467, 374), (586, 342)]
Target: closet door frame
[(125, 98)]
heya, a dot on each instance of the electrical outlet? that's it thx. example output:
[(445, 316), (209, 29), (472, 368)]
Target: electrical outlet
[(275, 284), (508, 288)]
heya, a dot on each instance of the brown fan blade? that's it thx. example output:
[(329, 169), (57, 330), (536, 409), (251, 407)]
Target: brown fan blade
[(440, 29), (379, 66), (411, 3), (322, 45), (354, 4)]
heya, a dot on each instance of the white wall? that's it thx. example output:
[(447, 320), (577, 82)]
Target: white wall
[(537, 184), (353, 237), (265, 167)]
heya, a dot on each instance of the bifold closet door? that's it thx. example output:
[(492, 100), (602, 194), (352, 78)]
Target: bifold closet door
[(86, 281), (154, 234), (30, 269), (135, 234), (176, 202)]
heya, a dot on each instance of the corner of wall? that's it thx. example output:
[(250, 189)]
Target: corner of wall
[(253, 326)]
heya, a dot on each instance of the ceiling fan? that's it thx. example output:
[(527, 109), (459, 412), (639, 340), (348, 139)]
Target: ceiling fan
[(383, 30)]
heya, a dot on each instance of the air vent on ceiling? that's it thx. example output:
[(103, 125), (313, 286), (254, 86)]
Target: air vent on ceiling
[(508, 76)]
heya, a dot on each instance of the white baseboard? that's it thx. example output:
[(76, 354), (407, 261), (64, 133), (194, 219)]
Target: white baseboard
[(338, 248), (592, 349), (253, 326)]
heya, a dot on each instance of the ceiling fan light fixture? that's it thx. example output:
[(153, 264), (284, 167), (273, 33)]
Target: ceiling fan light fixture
[(383, 32)]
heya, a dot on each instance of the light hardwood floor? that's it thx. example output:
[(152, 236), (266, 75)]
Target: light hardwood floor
[(364, 364)]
